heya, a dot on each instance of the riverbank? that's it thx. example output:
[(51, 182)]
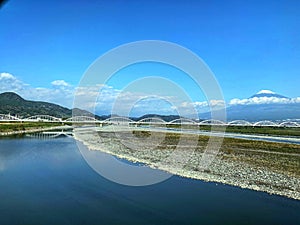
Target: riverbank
[(32, 129), (279, 131), (263, 166)]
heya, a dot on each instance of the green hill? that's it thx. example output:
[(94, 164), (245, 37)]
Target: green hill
[(11, 103)]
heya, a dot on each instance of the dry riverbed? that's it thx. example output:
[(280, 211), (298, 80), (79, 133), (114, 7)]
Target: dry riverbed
[(257, 165)]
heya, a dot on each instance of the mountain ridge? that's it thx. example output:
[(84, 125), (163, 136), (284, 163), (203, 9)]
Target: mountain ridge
[(262, 111), (14, 104)]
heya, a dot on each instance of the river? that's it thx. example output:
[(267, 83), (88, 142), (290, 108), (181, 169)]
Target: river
[(49, 182)]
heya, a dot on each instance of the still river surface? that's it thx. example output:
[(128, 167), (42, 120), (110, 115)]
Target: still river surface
[(49, 182)]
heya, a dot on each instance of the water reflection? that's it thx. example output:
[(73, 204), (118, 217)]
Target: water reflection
[(122, 171), (48, 182)]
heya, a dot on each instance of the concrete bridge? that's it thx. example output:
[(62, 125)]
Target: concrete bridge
[(151, 121)]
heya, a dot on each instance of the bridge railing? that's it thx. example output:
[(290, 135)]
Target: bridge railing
[(150, 121)]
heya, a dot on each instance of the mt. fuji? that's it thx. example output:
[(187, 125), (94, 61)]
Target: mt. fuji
[(268, 94), (264, 105)]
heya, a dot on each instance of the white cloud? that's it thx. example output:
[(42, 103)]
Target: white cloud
[(264, 100), (200, 104), (60, 83), (191, 108), (56, 94), (8, 82), (8, 76), (98, 97), (215, 103), (103, 98), (152, 105)]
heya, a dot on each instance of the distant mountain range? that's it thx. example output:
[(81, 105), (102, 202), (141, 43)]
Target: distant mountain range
[(251, 109), (166, 118), (263, 112), (13, 104), (265, 105)]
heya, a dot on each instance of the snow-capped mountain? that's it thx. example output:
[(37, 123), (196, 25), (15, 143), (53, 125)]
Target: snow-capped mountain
[(264, 105), (267, 94)]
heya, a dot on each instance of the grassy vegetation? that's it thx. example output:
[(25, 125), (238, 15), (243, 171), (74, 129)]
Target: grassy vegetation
[(17, 126), (277, 157), (278, 131)]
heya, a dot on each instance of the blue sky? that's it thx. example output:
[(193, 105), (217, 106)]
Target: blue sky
[(249, 45)]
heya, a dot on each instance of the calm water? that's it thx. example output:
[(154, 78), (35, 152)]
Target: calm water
[(48, 182)]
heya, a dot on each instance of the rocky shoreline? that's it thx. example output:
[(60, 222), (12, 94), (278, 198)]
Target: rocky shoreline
[(233, 170), (33, 130)]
